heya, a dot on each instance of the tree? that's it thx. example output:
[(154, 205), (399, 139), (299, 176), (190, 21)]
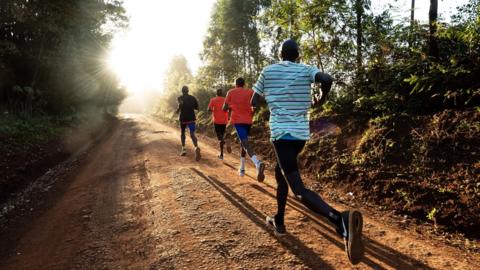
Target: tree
[(412, 23), (232, 45), (432, 21), (359, 14), (178, 74), (58, 49)]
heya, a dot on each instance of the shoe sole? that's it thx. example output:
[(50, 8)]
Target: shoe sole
[(183, 154), (261, 174), (197, 154), (269, 222), (355, 248)]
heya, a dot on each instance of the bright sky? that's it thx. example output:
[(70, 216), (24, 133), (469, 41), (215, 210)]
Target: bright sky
[(401, 8), (160, 29)]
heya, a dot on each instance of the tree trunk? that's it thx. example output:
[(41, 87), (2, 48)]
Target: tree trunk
[(432, 19), (412, 24), (359, 11)]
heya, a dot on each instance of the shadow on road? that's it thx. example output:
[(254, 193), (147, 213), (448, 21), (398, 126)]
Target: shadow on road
[(290, 242), (235, 169), (385, 254)]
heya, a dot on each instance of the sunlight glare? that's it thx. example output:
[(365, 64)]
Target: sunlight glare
[(137, 66), (158, 30)]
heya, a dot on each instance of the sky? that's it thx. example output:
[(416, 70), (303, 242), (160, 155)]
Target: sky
[(401, 8), (160, 29)]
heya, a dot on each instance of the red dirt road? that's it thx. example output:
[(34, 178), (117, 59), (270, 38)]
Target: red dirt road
[(136, 204)]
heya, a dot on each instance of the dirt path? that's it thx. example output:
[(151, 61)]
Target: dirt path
[(136, 204)]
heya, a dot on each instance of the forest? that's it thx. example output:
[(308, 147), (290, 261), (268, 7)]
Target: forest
[(51, 54)]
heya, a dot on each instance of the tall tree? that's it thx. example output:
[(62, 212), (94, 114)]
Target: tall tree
[(232, 45), (359, 11), (58, 47), (432, 21), (177, 75), (412, 23)]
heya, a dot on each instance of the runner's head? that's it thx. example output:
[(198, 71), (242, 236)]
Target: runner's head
[(240, 82), (185, 89), (219, 92), (289, 50)]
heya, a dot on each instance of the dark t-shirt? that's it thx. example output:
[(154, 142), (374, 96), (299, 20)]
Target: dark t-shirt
[(187, 104)]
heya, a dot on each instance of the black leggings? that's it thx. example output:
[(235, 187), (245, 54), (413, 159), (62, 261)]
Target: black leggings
[(287, 152), (220, 130), (192, 135)]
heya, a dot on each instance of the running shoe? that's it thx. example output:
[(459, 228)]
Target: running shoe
[(197, 153), (260, 172), (241, 172), (183, 152), (278, 229), (352, 222), (220, 157)]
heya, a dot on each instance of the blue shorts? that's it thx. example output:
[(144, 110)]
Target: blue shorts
[(243, 130), (191, 126)]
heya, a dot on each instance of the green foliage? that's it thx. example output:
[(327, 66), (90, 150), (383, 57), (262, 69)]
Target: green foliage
[(203, 96), (431, 215), (177, 76), (59, 49), (33, 129), (396, 75), (232, 46), (380, 103)]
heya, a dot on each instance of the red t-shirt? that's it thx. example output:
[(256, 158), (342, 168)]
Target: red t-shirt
[(238, 100), (219, 115)]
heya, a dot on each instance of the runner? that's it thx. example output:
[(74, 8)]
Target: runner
[(220, 120), (187, 104), (238, 102), (286, 89)]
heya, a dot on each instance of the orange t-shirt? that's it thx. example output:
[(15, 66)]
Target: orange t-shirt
[(219, 115), (238, 100)]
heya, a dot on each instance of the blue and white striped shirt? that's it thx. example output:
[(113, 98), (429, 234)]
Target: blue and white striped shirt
[(286, 87)]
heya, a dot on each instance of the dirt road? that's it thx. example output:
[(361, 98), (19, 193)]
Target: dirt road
[(136, 204)]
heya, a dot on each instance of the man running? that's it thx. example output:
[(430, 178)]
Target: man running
[(286, 89), (220, 119), (238, 102), (187, 104)]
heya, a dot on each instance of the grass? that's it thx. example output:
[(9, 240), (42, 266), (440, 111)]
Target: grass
[(33, 129)]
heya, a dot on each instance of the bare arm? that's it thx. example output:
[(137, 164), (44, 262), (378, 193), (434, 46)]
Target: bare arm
[(195, 105), (255, 100), (326, 80), (225, 107), (179, 100)]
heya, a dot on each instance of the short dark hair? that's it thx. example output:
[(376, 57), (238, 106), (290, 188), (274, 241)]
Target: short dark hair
[(289, 50), (219, 92), (240, 82), (184, 89)]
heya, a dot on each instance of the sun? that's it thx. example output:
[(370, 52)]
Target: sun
[(157, 31), (137, 65)]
